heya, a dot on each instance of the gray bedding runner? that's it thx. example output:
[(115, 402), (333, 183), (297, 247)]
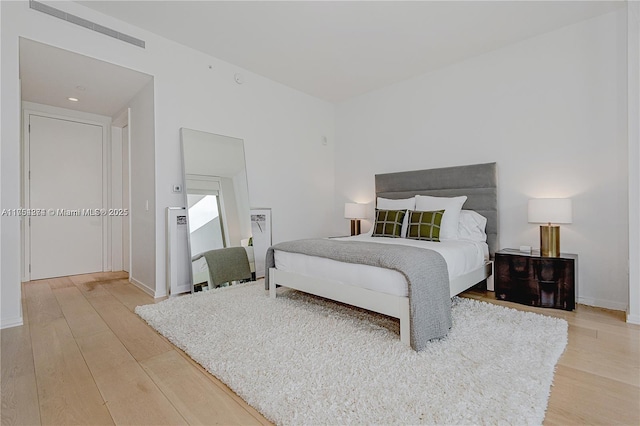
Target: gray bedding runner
[(425, 271)]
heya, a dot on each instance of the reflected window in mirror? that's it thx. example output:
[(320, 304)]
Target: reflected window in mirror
[(206, 232)]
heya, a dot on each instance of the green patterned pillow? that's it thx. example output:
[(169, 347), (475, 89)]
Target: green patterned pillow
[(388, 223), (425, 225)]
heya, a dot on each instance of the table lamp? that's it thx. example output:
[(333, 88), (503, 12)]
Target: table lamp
[(355, 212), (550, 210)]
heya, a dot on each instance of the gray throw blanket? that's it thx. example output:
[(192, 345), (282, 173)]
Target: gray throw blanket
[(227, 264), (425, 270)]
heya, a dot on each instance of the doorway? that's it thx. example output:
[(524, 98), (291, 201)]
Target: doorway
[(67, 85), (65, 192)]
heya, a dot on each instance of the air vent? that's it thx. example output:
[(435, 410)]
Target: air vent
[(41, 7)]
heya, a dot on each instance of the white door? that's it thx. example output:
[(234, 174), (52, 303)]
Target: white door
[(126, 242), (65, 165)]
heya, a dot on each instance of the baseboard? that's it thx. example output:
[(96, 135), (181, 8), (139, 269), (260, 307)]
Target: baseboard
[(13, 322), (633, 319), (160, 294), (141, 286), (147, 289), (600, 303)]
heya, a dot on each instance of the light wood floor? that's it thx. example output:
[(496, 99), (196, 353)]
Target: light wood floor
[(83, 357)]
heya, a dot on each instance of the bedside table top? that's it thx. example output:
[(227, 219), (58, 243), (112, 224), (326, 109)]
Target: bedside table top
[(535, 253)]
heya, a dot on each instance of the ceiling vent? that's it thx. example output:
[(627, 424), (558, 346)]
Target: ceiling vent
[(41, 7)]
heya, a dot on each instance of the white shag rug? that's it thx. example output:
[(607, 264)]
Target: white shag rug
[(299, 359)]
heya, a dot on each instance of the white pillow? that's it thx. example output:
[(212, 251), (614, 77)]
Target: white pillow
[(451, 216), (401, 204), (472, 226)]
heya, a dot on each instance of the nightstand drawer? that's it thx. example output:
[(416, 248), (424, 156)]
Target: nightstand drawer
[(533, 280)]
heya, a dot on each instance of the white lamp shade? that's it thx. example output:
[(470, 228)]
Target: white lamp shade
[(550, 210), (355, 211)]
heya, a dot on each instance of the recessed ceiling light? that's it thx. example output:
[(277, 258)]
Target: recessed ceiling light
[(73, 99)]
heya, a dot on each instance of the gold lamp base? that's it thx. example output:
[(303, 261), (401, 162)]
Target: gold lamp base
[(355, 226), (549, 240)]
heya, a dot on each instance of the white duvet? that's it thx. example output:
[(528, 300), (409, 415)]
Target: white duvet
[(461, 256)]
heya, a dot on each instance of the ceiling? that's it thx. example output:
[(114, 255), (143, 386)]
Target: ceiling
[(331, 50), (336, 50), (50, 76)]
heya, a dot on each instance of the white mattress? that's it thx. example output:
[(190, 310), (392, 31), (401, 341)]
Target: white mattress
[(461, 256)]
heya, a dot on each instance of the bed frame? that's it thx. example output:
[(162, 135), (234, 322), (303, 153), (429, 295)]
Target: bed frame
[(478, 182)]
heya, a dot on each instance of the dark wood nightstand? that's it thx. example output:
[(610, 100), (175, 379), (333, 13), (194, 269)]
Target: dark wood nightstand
[(530, 279)]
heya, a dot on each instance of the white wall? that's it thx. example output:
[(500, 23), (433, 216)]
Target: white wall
[(115, 199), (546, 110), (633, 49), (10, 241), (143, 197), (289, 169)]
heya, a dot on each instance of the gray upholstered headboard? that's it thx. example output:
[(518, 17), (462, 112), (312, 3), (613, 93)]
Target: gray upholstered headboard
[(477, 181)]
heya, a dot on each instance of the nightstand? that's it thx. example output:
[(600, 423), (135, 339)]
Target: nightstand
[(530, 279)]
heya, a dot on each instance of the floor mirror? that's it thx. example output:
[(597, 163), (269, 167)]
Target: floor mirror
[(217, 200)]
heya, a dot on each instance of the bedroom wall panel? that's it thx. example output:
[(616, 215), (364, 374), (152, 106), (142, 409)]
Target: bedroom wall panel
[(116, 198), (546, 109), (143, 197), (10, 230), (633, 78), (290, 169)]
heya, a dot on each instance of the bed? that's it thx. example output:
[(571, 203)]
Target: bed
[(385, 290)]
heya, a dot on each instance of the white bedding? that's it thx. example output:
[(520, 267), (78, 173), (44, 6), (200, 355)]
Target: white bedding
[(461, 256)]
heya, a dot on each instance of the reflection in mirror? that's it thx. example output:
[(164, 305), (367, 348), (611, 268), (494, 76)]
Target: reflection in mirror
[(215, 182)]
